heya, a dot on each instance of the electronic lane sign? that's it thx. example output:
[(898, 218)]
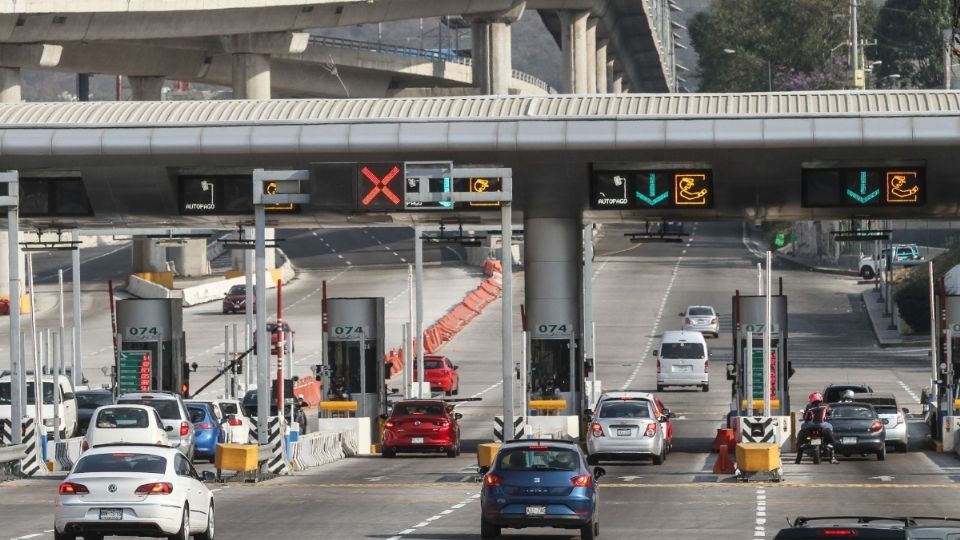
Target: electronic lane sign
[(651, 189), (870, 186), (222, 195), (380, 186), (134, 373)]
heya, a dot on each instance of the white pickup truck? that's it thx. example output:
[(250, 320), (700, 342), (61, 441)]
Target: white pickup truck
[(67, 409), (904, 255)]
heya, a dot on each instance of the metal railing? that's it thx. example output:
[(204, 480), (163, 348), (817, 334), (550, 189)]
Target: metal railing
[(10, 457), (434, 55)]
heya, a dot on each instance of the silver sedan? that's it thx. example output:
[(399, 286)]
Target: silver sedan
[(703, 319), (625, 429)]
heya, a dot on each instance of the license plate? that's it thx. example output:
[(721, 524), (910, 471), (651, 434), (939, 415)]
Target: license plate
[(623, 432), (416, 440), (848, 440), (815, 442), (536, 510), (111, 514), (683, 368)]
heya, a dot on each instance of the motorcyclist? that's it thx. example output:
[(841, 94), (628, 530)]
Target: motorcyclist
[(847, 396), (816, 415)]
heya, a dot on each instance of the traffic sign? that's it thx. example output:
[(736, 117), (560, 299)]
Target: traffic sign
[(485, 185), (134, 372), (223, 195), (53, 197), (864, 186), (378, 184), (427, 177), (623, 188)]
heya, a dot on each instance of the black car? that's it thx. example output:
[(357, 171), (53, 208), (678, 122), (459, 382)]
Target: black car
[(834, 392), (857, 429), (868, 528), (87, 402)]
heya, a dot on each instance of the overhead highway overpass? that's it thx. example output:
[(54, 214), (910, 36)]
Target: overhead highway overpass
[(755, 147)]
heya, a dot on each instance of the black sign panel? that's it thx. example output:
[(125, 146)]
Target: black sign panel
[(220, 195), (651, 189), (855, 187), (53, 197)]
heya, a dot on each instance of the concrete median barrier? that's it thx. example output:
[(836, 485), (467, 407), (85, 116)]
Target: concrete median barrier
[(315, 449)]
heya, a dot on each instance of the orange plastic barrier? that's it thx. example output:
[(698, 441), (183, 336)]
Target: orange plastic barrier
[(310, 388)]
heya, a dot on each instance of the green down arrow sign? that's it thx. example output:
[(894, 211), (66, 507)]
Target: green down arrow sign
[(863, 197), (653, 199)]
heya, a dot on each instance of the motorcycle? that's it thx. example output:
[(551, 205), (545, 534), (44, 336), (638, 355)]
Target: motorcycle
[(811, 441)]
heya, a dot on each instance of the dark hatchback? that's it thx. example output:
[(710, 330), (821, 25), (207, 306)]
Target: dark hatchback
[(87, 402), (870, 528), (857, 430), (535, 483)]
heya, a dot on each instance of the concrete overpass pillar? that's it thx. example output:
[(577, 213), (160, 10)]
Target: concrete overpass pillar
[(148, 256), (573, 26), (492, 49), (236, 256), (617, 87), (251, 76), (9, 93), (592, 55), (601, 67), (146, 88), (610, 71), (191, 258)]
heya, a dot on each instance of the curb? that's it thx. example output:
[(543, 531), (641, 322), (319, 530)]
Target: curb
[(886, 343)]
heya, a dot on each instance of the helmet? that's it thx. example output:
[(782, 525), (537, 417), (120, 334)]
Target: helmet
[(815, 397), (848, 395)]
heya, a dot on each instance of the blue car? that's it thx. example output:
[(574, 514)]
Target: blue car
[(207, 428), (535, 483)]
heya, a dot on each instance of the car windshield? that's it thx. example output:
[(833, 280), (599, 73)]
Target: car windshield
[(122, 418), (417, 410), (433, 364), (681, 350), (237, 290), (169, 409), (197, 414), (700, 311), (625, 409), (852, 412), (31, 398), (121, 462), (885, 409), (229, 408), (93, 400), (538, 458)]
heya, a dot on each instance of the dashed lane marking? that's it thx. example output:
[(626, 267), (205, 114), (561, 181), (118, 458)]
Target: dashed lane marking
[(433, 518), (714, 486), (760, 529), (909, 392), (656, 324)]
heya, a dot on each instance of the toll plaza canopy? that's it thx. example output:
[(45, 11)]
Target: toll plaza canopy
[(615, 157)]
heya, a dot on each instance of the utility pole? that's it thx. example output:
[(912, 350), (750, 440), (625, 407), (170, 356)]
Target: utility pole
[(854, 44)]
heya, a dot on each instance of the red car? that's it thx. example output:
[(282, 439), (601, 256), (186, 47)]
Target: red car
[(663, 412), (235, 300), (441, 374), (421, 425)]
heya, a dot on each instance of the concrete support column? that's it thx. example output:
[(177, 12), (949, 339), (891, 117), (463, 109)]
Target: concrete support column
[(552, 262), (573, 26), (146, 88), (148, 256), (601, 65), (617, 87), (492, 63), (611, 70), (251, 76), (236, 256), (592, 55), (9, 93), (191, 258)]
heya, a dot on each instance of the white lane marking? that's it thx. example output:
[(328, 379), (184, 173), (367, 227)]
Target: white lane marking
[(459, 505), (402, 259), (598, 270), (395, 253), (656, 324), (434, 518), (909, 392), (421, 524), (485, 390), (760, 529), (387, 248), (339, 256), (447, 512)]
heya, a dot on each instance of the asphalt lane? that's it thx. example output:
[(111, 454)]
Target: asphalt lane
[(638, 291)]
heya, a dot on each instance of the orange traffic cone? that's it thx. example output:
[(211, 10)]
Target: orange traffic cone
[(724, 436), (723, 465)]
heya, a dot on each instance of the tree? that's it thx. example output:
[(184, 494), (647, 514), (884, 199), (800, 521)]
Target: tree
[(910, 42), (743, 42)]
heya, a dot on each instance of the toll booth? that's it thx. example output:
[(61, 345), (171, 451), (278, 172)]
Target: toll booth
[(948, 371), (151, 338), (354, 382), (555, 376), (746, 371)]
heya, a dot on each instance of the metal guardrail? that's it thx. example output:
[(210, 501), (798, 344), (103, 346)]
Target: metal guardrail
[(435, 55), (13, 452)]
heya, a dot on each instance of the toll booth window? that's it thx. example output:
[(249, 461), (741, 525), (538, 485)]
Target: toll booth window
[(550, 370), (42, 197), (682, 351)]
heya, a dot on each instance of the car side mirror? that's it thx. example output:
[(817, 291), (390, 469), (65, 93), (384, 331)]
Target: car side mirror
[(731, 372), (588, 413), (599, 472), (168, 428), (681, 314), (458, 416), (456, 368), (653, 353), (208, 476), (68, 396), (483, 469), (906, 410)]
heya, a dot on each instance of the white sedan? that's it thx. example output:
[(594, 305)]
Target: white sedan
[(125, 424), (134, 491)]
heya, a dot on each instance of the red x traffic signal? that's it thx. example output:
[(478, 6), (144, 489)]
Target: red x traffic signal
[(375, 191)]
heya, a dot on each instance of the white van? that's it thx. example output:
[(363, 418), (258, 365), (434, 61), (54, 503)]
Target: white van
[(682, 360), (68, 404)]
